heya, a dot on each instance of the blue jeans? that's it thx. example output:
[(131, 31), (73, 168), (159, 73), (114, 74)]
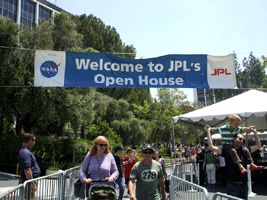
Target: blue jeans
[(121, 184), (238, 190)]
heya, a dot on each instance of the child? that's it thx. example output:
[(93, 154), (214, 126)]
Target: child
[(227, 132)]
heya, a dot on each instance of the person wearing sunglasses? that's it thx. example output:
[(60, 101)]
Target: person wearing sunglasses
[(28, 166), (149, 175), (99, 163), (236, 180), (227, 132)]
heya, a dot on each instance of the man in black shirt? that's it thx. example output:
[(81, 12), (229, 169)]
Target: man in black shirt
[(200, 160), (118, 160), (236, 181)]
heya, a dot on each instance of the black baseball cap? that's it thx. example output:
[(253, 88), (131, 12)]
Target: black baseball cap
[(117, 148), (148, 147)]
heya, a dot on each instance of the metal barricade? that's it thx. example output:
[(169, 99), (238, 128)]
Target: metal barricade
[(182, 189), (16, 193), (7, 176), (70, 176), (46, 187), (224, 196), (183, 170)]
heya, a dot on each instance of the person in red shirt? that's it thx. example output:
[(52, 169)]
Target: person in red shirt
[(128, 163), (193, 153)]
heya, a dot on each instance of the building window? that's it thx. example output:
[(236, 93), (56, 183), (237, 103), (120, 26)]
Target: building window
[(44, 14), (8, 9), (27, 14)]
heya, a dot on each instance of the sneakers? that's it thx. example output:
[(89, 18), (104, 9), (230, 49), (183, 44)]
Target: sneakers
[(255, 167), (243, 170)]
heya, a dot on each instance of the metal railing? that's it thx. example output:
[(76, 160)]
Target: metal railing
[(46, 187), (183, 170), (16, 193), (224, 196), (7, 176), (57, 186), (182, 189), (70, 176)]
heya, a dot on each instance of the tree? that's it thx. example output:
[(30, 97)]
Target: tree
[(254, 73), (9, 76), (64, 33)]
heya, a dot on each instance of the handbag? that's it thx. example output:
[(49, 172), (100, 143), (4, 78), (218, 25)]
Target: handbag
[(167, 185), (80, 188)]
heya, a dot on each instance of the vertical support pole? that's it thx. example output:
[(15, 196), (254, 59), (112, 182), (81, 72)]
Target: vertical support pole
[(174, 142), (246, 133), (191, 173), (198, 178), (250, 193)]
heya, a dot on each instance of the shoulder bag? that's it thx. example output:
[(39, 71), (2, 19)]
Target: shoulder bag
[(81, 188)]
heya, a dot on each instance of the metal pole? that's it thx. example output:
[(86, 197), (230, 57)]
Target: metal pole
[(205, 97), (196, 137), (246, 133), (174, 142)]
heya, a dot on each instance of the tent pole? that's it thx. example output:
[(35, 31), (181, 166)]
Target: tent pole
[(196, 136), (246, 133), (174, 142)]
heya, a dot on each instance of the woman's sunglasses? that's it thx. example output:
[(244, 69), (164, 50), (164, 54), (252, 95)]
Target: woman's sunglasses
[(148, 152), (103, 145)]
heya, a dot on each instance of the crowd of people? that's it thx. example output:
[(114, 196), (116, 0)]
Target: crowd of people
[(228, 162), (149, 173)]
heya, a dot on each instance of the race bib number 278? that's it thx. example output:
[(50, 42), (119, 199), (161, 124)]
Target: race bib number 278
[(149, 175)]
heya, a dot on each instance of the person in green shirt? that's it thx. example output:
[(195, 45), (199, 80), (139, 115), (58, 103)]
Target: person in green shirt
[(227, 132), (148, 174), (210, 160)]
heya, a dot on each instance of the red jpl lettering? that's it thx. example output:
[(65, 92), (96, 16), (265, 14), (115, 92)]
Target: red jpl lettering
[(217, 72)]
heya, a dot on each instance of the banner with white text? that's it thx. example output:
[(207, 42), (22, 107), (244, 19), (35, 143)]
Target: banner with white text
[(73, 69)]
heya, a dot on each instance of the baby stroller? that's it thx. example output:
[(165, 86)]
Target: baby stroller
[(101, 191)]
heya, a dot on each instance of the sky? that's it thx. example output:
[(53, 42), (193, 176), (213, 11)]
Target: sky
[(160, 27)]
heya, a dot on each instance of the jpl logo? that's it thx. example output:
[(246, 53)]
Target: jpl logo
[(220, 71), (49, 69)]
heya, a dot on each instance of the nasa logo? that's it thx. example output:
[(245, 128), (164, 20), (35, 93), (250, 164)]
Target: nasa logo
[(49, 69), (217, 72)]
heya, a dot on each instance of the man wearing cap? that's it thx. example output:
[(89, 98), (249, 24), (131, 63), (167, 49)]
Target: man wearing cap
[(118, 160), (148, 174)]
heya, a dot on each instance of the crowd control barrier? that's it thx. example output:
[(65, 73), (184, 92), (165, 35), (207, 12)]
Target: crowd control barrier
[(224, 197), (185, 190), (16, 193), (185, 170), (46, 187), (70, 176)]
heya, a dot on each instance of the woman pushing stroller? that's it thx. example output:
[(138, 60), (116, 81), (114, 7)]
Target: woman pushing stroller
[(100, 164)]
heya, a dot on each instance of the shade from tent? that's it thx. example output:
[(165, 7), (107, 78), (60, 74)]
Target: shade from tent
[(250, 105)]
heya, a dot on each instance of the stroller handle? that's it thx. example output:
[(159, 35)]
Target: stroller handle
[(99, 180)]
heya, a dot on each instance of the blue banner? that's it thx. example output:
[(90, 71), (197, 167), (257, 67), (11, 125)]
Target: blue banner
[(71, 69)]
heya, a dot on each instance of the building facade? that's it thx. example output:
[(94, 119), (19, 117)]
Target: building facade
[(28, 12), (206, 96)]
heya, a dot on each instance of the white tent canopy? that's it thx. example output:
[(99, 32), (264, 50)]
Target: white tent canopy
[(250, 105)]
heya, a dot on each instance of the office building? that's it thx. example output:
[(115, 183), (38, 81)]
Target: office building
[(205, 96), (28, 12)]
